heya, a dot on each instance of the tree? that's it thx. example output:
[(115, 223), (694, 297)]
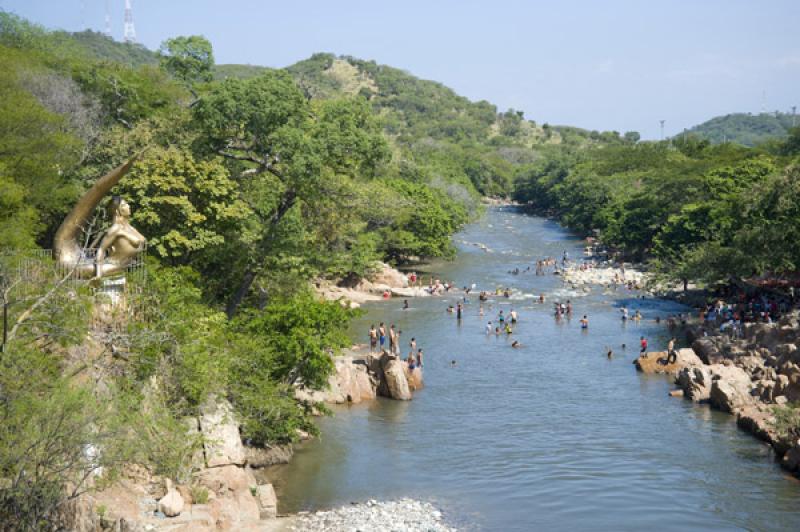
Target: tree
[(183, 205), (288, 149), (632, 137), (190, 59)]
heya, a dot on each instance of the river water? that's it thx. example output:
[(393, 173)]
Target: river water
[(553, 436)]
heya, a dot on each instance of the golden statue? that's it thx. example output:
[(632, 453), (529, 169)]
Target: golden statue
[(120, 244)]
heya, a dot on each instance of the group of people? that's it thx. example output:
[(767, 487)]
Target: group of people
[(379, 336)]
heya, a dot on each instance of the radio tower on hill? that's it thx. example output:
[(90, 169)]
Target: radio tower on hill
[(108, 21), (130, 31)]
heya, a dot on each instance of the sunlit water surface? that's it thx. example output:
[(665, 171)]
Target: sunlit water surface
[(553, 436)]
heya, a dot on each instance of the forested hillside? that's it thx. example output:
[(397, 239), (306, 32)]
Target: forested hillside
[(247, 192), (746, 128)]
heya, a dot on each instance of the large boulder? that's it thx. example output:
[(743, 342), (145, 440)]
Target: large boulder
[(731, 388), (171, 504), (394, 378), (695, 382), (389, 277), (791, 459), (351, 382), (786, 353), (265, 457), (708, 349), (655, 362), (231, 499), (758, 421), (221, 440)]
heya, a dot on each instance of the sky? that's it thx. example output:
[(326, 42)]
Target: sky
[(598, 64)]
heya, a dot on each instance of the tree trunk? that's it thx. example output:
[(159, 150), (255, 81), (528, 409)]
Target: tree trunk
[(287, 202)]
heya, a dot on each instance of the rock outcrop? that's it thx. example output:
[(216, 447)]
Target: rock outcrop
[(267, 501), (259, 457), (394, 378), (656, 361), (221, 440), (354, 292), (749, 377), (359, 377)]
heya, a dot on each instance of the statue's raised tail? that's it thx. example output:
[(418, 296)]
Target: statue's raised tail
[(66, 246)]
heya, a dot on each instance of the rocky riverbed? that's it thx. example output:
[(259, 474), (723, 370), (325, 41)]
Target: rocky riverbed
[(605, 274), (404, 515)]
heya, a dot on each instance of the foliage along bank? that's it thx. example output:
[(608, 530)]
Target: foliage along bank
[(696, 211)]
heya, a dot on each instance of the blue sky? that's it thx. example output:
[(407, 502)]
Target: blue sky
[(612, 64)]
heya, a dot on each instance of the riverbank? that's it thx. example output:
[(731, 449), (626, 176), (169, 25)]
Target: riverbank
[(754, 377), (385, 282)]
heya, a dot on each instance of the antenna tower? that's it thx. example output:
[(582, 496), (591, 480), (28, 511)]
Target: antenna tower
[(108, 20), (130, 31)]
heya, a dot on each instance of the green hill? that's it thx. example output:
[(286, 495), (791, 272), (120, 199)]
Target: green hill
[(238, 71), (745, 128), (102, 47)]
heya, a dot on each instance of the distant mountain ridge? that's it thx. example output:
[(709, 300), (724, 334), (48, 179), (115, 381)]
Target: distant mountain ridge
[(745, 128)]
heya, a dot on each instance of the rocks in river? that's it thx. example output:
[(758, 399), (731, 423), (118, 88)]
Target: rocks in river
[(402, 515), (791, 459), (394, 376), (655, 361), (695, 382), (362, 377), (758, 420), (264, 457), (731, 388)]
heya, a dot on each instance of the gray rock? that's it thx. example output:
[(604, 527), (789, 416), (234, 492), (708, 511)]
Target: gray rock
[(221, 440)]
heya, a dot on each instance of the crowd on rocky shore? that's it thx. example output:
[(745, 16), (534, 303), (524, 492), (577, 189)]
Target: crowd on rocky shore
[(751, 375)]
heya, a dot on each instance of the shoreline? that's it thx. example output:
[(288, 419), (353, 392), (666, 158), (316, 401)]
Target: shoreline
[(750, 376)]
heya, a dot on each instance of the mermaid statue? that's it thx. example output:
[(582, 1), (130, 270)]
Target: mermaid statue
[(120, 244)]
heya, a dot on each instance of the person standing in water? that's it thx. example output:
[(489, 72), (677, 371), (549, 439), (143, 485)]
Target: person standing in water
[(382, 334), (373, 338), (584, 322), (489, 328), (419, 357), (513, 315), (643, 347), (459, 308)]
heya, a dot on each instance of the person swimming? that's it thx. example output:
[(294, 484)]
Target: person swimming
[(515, 344)]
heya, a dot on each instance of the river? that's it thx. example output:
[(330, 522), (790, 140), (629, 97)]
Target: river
[(553, 436)]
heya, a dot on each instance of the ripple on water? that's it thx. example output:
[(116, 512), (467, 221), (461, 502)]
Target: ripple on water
[(553, 436)]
